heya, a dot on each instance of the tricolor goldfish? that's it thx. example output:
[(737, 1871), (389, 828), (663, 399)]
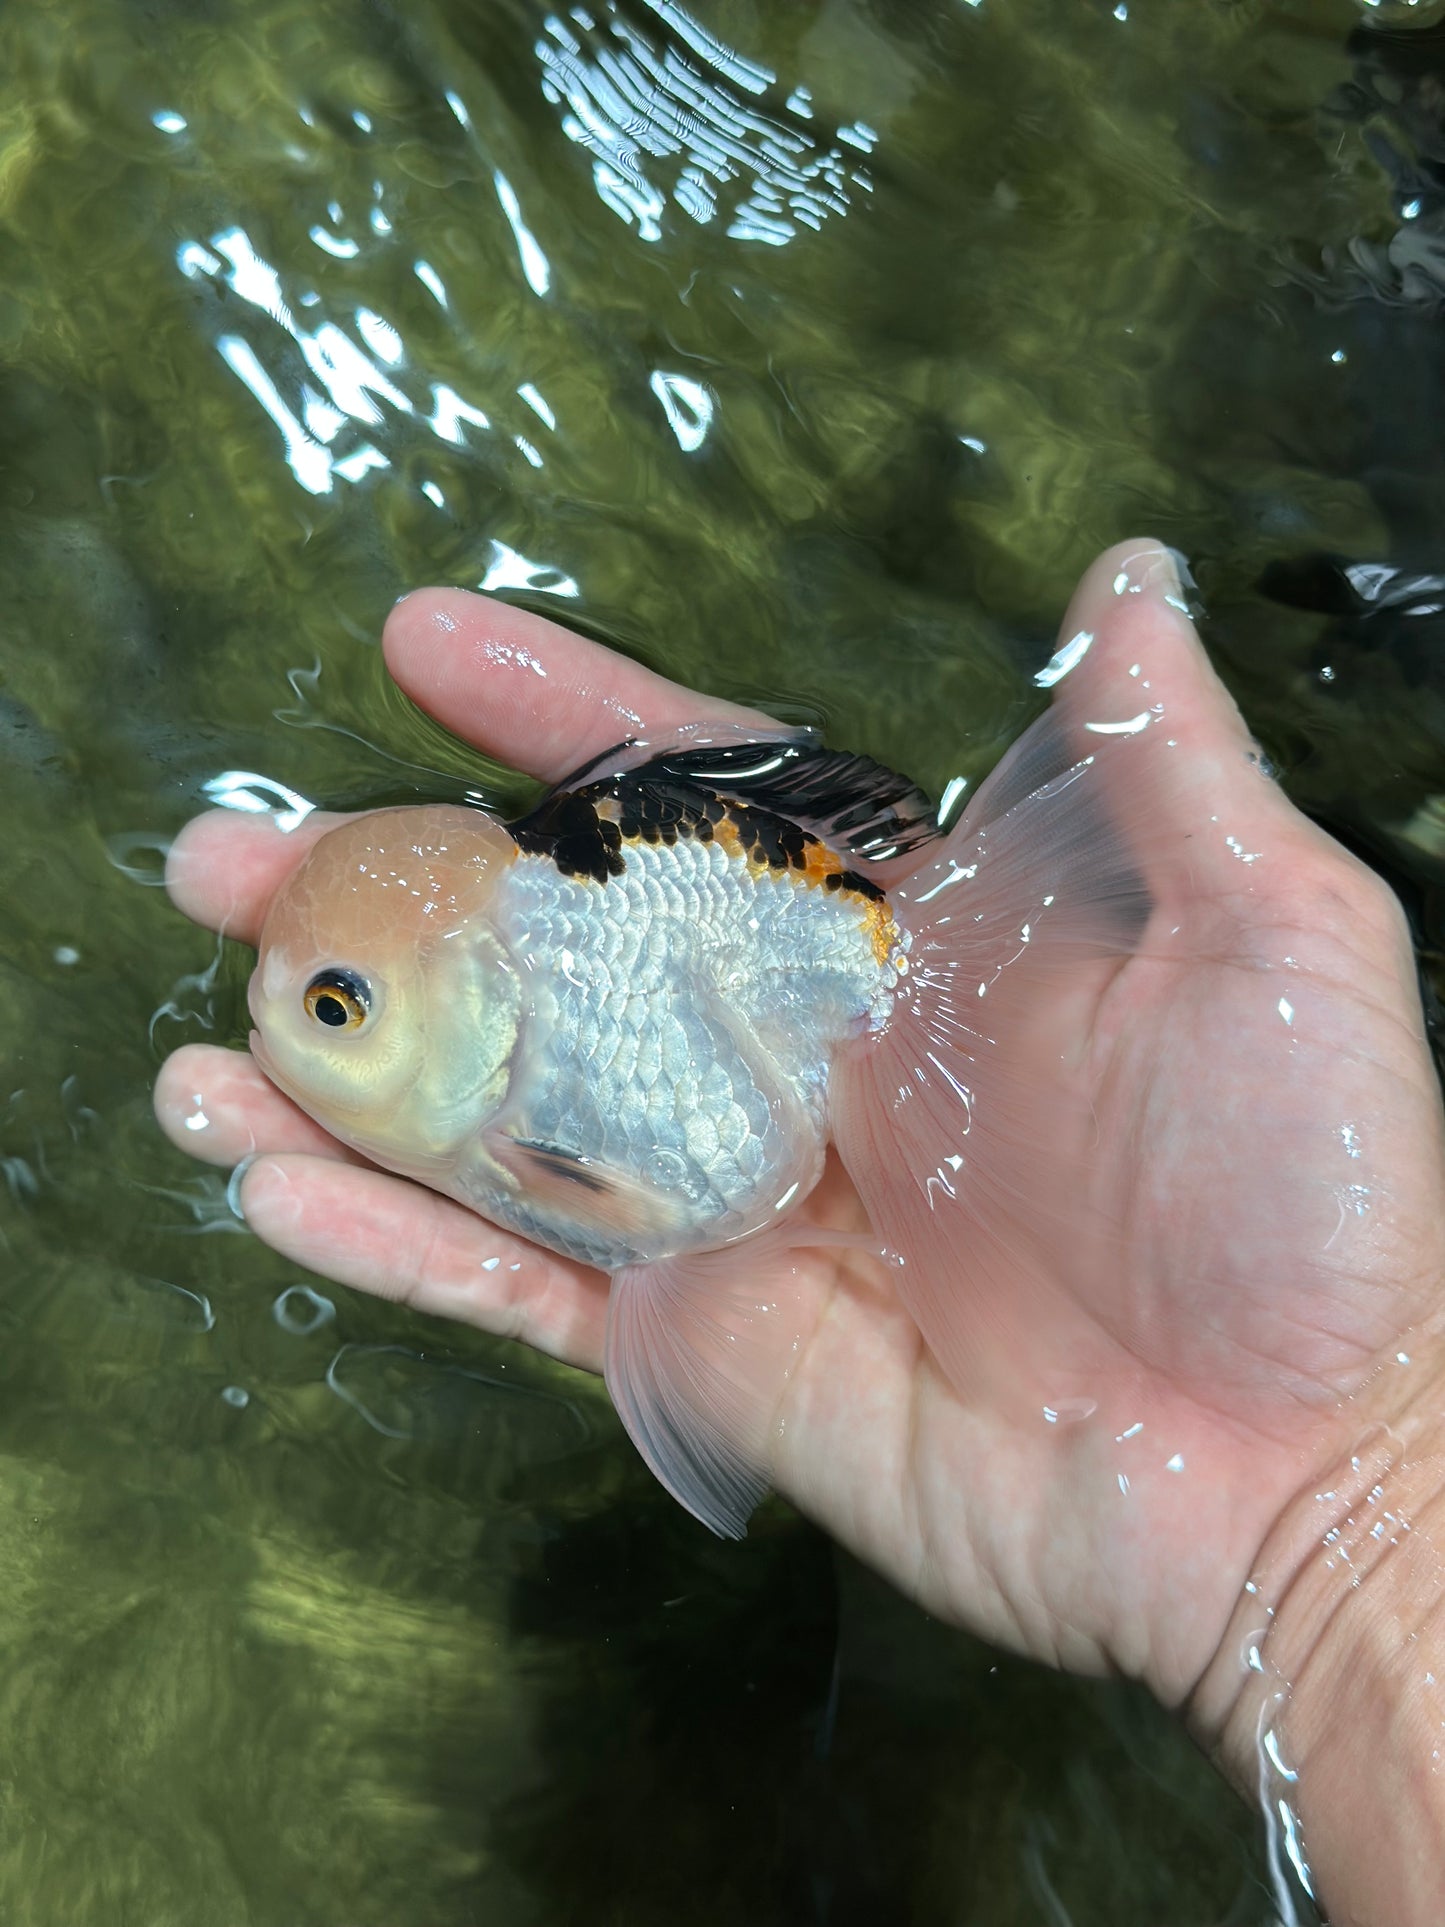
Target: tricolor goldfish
[(628, 1024)]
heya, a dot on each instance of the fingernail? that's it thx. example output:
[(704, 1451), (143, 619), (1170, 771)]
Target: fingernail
[(1161, 572), (1177, 585), (269, 1191), (1165, 573)]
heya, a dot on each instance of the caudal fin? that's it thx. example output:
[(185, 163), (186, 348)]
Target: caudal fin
[(965, 1122)]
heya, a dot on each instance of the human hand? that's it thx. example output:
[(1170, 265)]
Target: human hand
[(1259, 1228)]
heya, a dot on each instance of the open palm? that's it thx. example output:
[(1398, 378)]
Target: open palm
[(1245, 1224)]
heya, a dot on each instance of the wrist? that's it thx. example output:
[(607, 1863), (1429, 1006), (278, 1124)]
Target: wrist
[(1325, 1701)]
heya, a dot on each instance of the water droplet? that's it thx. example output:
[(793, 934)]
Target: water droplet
[(301, 1311), (1064, 659), (1294, 1846), (1070, 1411), (666, 1169), (236, 1395), (1271, 1746)]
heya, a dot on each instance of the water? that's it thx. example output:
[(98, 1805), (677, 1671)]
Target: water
[(807, 353)]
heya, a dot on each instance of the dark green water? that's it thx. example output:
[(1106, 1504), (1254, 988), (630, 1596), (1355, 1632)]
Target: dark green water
[(808, 352)]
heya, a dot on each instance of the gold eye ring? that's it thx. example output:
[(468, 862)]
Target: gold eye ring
[(339, 999)]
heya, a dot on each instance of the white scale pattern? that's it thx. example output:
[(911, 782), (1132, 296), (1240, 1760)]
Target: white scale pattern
[(673, 1000)]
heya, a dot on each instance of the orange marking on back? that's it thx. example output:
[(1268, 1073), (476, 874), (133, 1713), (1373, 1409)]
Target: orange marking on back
[(725, 832), (882, 929), (818, 864)]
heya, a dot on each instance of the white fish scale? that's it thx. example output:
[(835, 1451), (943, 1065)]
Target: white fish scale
[(648, 1062), (680, 994), (589, 1030)]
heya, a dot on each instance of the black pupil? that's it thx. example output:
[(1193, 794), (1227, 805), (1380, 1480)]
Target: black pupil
[(331, 1010)]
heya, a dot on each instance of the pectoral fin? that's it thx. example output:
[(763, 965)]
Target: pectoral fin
[(587, 1192)]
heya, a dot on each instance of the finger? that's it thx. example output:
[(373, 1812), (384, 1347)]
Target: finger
[(1131, 603), (383, 1235), (225, 867), (1185, 778), (216, 1105), (527, 691)]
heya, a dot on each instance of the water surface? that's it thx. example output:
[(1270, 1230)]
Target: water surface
[(807, 353)]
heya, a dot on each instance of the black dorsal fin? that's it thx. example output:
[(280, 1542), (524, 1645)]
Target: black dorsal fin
[(848, 802)]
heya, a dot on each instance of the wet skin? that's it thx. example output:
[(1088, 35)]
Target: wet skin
[(1254, 1348)]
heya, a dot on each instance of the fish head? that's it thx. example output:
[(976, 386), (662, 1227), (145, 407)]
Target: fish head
[(384, 1001)]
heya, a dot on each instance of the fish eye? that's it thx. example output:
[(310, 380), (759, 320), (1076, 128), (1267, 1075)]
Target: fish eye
[(339, 999)]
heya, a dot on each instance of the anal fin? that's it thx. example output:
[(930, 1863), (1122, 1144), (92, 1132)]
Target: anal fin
[(699, 1351)]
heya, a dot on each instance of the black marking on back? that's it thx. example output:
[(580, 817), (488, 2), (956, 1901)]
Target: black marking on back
[(851, 880), (779, 796), (567, 827)]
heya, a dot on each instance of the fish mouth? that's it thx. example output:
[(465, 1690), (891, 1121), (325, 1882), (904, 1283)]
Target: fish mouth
[(269, 1069), (255, 1000), (251, 1000), (272, 1072), (266, 1064)]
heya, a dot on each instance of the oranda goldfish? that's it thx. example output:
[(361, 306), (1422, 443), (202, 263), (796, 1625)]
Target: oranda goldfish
[(628, 1024)]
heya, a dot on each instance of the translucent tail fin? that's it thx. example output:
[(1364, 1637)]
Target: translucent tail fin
[(964, 1122)]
